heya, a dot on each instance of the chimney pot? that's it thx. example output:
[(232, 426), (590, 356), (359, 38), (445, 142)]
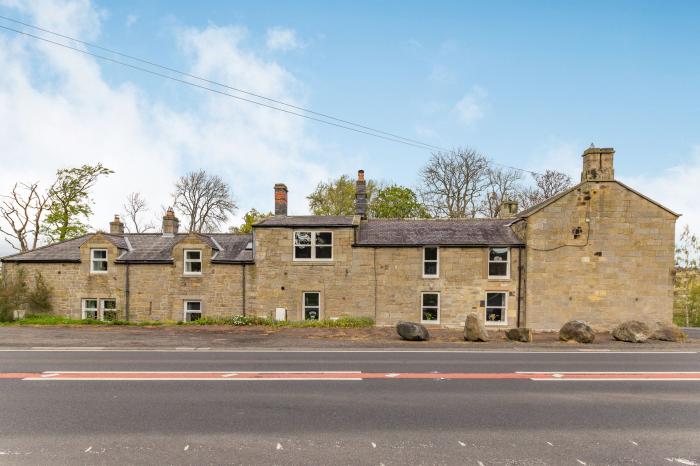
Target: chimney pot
[(361, 195), (281, 199), (170, 223), (116, 227)]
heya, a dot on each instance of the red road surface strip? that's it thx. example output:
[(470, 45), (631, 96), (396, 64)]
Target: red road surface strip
[(232, 375)]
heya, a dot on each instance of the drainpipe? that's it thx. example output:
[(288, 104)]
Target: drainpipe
[(520, 280), (243, 285), (126, 293)]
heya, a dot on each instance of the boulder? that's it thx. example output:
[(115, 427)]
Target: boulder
[(668, 333), (519, 334), (474, 329), (632, 331), (577, 330), (412, 331)]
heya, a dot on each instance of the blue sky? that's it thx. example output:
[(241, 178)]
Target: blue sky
[(529, 84)]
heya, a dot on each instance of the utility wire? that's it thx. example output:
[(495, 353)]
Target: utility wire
[(199, 78), (370, 131)]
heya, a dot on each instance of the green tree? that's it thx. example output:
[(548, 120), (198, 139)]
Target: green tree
[(70, 201), (337, 197), (396, 202), (251, 217)]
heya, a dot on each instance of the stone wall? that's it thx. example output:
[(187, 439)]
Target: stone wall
[(620, 266), (382, 283)]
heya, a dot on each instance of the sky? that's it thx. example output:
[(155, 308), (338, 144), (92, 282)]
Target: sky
[(527, 84)]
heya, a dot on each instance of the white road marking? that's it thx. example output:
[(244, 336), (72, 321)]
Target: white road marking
[(550, 444), (187, 447), (682, 461), (580, 462), (238, 350), (392, 375), (279, 446), (230, 375), (634, 443), (480, 463), (87, 450), (622, 379), (557, 375), (49, 375), (461, 443), (198, 379), (374, 445)]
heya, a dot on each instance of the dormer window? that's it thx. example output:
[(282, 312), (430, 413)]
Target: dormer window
[(193, 262), (98, 261), (313, 245)]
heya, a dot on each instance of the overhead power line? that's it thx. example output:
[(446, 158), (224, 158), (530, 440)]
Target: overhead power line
[(341, 123)]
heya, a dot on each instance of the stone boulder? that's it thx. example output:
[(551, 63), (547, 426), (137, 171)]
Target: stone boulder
[(412, 332), (519, 334), (474, 329), (577, 330), (632, 331), (668, 333)]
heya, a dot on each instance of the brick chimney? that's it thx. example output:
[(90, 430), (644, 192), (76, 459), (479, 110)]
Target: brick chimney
[(116, 227), (509, 208), (170, 223), (361, 195), (281, 199), (598, 164)]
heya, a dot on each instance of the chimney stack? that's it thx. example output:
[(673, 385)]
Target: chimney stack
[(598, 164), (509, 208), (170, 223), (281, 199), (361, 195), (116, 227)]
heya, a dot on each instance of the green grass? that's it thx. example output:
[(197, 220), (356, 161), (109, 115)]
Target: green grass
[(57, 320), (342, 322)]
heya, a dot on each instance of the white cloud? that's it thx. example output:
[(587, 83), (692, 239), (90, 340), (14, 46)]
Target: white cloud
[(675, 188), (58, 110), (131, 20), (470, 108), (282, 39)]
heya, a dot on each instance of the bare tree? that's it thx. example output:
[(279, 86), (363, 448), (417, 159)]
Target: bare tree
[(135, 206), (548, 184), (204, 199), (453, 183), (22, 211), (503, 184)]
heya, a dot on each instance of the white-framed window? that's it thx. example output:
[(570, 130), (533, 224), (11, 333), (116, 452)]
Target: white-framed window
[(193, 311), (430, 308), (312, 305), (313, 245), (496, 307), (109, 309), (193, 262), (90, 310), (499, 263), (431, 262), (98, 261)]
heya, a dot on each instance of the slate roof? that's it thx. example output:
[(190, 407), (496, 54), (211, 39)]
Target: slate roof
[(447, 232), (143, 248), (283, 221)]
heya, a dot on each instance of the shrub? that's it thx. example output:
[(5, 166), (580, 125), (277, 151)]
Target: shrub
[(39, 298)]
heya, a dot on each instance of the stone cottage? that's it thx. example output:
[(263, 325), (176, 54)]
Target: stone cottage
[(599, 251)]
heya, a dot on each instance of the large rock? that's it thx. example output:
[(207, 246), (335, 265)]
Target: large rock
[(668, 333), (474, 329), (519, 334), (577, 330), (632, 331), (412, 331)]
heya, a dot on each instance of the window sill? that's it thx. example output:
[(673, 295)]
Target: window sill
[(99, 273), (192, 275), (431, 277), (499, 279), (496, 324), (430, 322), (312, 262)]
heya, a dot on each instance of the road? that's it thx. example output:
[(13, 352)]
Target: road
[(353, 408)]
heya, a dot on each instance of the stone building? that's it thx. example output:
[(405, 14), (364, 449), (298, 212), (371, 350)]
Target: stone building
[(599, 251)]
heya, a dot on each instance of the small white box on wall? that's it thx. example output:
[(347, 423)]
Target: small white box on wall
[(280, 314)]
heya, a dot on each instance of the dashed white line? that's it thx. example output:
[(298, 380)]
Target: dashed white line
[(279, 446), (480, 463), (550, 444), (580, 462), (187, 447), (634, 443), (682, 461), (374, 445), (461, 443), (87, 450)]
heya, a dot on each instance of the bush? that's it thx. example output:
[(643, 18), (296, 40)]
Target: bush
[(39, 298)]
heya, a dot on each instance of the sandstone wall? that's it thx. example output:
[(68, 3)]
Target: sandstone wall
[(619, 268)]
